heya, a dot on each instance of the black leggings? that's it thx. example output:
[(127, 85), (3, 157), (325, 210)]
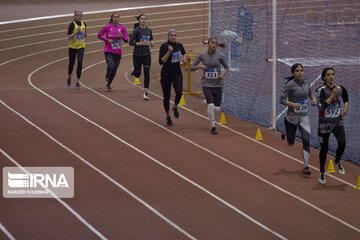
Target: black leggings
[(72, 56), (339, 134), (113, 62), (146, 62), (166, 80)]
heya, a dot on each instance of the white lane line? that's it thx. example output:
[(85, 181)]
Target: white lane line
[(100, 11), (66, 47), (97, 26), (148, 206), (11, 237), (149, 156), (100, 19), (99, 41), (76, 214)]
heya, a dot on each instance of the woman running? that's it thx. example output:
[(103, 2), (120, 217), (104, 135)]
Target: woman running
[(141, 39), (295, 95), (330, 99), (76, 34), (170, 55), (115, 35), (211, 80)]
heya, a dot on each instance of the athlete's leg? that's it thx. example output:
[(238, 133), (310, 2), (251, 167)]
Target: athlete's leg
[(305, 137), (324, 146), (290, 129)]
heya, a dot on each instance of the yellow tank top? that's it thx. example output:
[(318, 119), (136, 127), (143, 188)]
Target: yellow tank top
[(78, 41)]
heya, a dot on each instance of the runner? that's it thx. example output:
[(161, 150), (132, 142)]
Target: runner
[(295, 95), (115, 35), (170, 55), (141, 39), (212, 78), (76, 35), (330, 97)]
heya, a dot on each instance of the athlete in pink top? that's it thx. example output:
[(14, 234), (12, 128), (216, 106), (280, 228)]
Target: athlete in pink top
[(115, 34)]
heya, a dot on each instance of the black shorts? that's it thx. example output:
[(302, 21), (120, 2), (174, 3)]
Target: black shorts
[(213, 95)]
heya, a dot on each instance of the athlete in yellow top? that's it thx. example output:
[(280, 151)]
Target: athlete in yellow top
[(76, 35)]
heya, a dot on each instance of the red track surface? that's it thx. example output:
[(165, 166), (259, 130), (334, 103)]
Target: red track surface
[(196, 185)]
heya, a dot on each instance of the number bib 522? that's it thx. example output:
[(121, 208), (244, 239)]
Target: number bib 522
[(332, 111)]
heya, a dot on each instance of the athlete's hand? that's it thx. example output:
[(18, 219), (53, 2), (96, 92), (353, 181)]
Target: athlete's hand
[(296, 106), (78, 30), (144, 43), (335, 91), (313, 102), (202, 67), (110, 41), (220, 76), (170, 48), (343, 112)]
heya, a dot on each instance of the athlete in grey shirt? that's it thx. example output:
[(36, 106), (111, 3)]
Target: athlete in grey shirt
[(295, 95), (212, 78)]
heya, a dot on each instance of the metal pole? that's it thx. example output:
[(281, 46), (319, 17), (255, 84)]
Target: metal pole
[(274, 13), (209, 22)]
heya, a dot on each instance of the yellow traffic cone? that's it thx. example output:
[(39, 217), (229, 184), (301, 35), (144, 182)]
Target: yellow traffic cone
[(358, 184), (258, 135), (182, 101), (136, 81), (222, 119), (330, 168)]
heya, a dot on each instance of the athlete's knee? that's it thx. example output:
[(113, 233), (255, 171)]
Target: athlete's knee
[(306, 144), (341, 144), (210, 106)]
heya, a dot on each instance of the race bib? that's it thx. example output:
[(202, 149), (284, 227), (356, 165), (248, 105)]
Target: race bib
[(333, 110), (211, 73), (79, 36), (176, 57), (145, 38), (304, 107), (116, 44)]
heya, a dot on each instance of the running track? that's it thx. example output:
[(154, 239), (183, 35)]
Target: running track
[(136, 178)]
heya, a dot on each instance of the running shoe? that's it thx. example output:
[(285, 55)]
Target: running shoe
[(176, 112), (340, 168), (283, 135), (68, 82), (146, 96), (168, 121), (109, 88), (77, 86), (306, 171), (213, 131), (322, 178)]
